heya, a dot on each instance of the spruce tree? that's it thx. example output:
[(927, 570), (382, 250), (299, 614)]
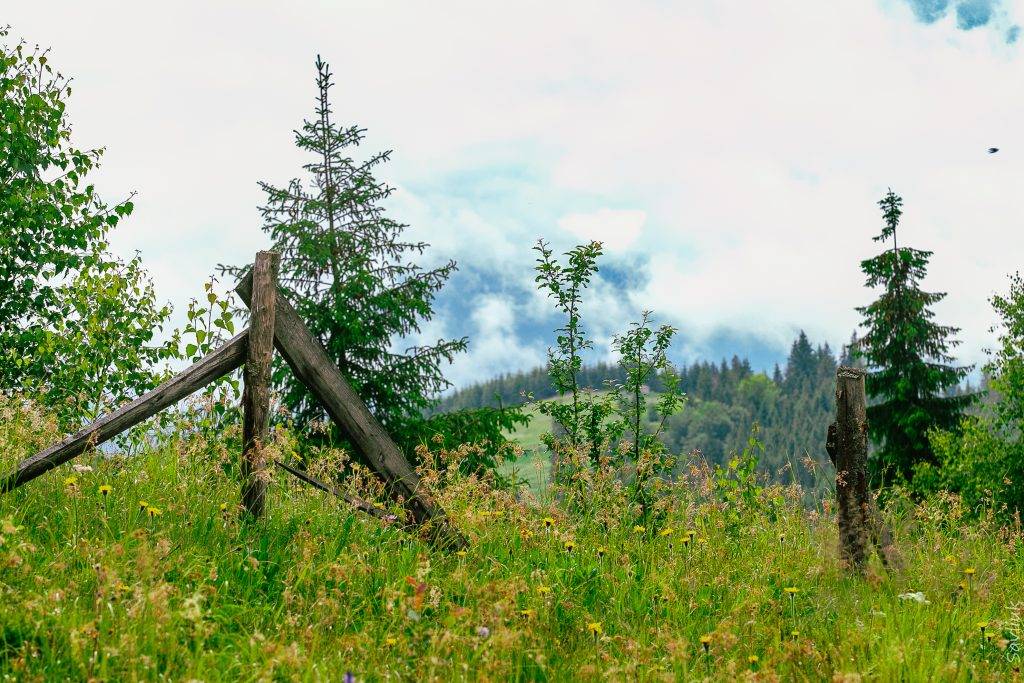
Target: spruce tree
[(907, 355), (350, 276)]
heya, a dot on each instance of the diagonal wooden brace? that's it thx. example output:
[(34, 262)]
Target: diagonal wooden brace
[(311, 364)]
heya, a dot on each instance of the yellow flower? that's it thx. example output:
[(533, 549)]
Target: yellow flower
[(795, 633), (982, 625), (691, 533), (792, 590), (154, 512), (527, 613), (595, 628), (106, 489), (71, 481), (753, 659), (705, 642), (601, 551), (223, 507), (969, 571), (143, 505), (782, 538), (461, 553), (543, 590), (639, 529), (569, 545), (666, 532), (390, 640), (549, 522)]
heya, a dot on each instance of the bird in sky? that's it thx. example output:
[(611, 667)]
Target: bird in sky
[(993, 150)]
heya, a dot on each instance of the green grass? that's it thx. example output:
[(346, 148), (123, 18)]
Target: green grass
[(92, 587)]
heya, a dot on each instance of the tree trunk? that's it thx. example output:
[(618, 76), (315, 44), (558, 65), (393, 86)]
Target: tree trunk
[(256, 394)]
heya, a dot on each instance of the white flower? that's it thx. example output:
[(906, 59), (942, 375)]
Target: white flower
[(916, 597)]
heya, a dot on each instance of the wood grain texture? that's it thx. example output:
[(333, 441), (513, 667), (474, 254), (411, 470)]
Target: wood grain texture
[(311, 364), (256, 376), (225, 359)]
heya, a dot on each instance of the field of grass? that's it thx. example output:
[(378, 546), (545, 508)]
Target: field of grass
[(161, 578)]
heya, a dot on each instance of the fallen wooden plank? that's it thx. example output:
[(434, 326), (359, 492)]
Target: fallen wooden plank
[(311, 364), (357, 503), (225, 359)]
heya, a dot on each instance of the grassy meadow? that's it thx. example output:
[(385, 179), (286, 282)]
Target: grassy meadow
[(143, 569)]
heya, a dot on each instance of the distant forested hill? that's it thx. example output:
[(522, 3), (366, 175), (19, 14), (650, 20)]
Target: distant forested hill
[(792, 407)]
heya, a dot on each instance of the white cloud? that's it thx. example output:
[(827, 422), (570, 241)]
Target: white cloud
[(751, 140), (616, 229)]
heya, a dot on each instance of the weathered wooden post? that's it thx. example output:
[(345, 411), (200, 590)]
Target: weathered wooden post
[(256, 375), (847, 446)]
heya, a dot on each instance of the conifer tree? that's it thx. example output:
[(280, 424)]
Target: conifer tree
[(350, 275), (907, 355)]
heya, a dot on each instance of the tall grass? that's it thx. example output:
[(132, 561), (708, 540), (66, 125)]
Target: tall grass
[(94, 586)]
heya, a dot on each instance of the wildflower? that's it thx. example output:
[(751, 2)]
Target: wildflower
[(594, 627), (143, 505), (154, 512), (795, 634), (753, 659), (639, 529), (105, 490), (666, 532), (782, 538), (691, 534), (982, 625), (390, 641), (705, 642), (349, 677), (969, 571), (71, 481), (792, 590), (549, 522), (461, 553), (483, 631), (527, 613), (223, 507), (543, 590), (569, 545), (601, 551)]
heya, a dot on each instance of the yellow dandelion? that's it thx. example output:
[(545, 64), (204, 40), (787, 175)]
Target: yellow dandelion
[(705, 642), (594, 627), (154, 512), (143, 505), (461, 553), (753, 659), (569, 545), (106, 489), (549, 522), (982, 625), (223, 507), (795, 633), (639, 529), (969, 571), (71, 481), (666, 532), (792, 590), (601, 551), (527, 613), (390, 640), (543, 590), (691, 533)]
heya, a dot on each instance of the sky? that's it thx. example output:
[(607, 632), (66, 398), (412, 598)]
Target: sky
[(728, 153)]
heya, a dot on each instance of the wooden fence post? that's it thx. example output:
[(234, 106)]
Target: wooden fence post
[(256, 375), (848, 447), (860, 523)]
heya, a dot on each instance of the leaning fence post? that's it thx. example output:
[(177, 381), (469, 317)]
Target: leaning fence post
[(848, 447), (256, 375)]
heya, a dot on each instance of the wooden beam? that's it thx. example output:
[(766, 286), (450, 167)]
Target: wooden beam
[(357, 503), (228, 357), (311, 364), (256, 375)]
